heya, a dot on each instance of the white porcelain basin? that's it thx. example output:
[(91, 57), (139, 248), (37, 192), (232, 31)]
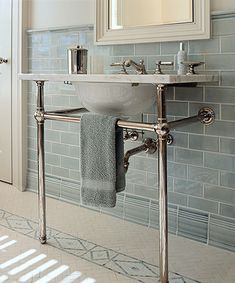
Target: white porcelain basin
[(116, 98)]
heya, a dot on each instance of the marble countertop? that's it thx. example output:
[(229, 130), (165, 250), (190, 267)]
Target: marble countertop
[(99, 78)]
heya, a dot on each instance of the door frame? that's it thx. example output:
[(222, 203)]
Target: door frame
[(19, 97)]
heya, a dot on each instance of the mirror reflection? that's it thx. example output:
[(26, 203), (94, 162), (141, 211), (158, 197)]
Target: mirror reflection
[(137, 13)]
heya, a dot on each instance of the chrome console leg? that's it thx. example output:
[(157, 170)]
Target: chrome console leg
[(39, 116), (162, 131)]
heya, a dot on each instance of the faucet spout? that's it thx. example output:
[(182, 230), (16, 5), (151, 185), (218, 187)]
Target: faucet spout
[(140, 68)]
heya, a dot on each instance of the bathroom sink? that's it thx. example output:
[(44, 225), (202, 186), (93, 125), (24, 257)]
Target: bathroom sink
[(119, 94), (115, 98)]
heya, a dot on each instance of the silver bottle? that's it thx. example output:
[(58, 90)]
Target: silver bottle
[(181, 57), (77, 60)]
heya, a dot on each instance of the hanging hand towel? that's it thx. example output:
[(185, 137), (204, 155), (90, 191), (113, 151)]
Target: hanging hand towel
[(102, 152)]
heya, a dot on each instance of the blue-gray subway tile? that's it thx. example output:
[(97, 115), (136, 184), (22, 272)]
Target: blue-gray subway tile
[(51, 135), (193, 224), (203, 204), (220, 194), (59, 148), (32, 181), (58, 126), (188, 187), (170, 93), (154, 214), (170, 153), (147, 49), (223, 27), (228, 44), (228, 112), (177, 170), (188, 156), (227, 78), (32, 143), (201, 174), (70, 193), (123, 50), (175, 108), (70, 138), (227, 179), (52, 159), (204, 46), (196, 128), (227, 210), (69, 162), (170, 186), (32, 164), (220, 95), (206, 143), (151, 165), (152, 179), (189, 93), (227, 146), (53, 188), (219, 161), (168, 48), (146, 192), (222, 129), (74, 175), (60, 172), (136, 209), (145, 164), (32, 132), (32, 154), (220, 62), (176, 198), (172, 218), (129, 188), (180, 139), (74, 151), (136, 177), (222, 232)]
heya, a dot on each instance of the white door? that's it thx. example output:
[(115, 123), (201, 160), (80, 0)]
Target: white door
[(5, 92)]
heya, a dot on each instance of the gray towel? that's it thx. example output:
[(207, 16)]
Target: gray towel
[(102, 152)]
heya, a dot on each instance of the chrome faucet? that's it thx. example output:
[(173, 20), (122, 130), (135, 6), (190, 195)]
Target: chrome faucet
[(140, 68)]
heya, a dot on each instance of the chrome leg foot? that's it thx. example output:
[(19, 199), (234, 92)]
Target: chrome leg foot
[(43, 240)]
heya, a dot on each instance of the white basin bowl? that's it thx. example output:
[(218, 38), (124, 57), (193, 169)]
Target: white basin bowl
[(115, 98)]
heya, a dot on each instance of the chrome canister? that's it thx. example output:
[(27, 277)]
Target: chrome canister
[(77, 60)]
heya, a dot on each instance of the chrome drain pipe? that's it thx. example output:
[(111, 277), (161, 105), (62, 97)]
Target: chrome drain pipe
[(149, 146)]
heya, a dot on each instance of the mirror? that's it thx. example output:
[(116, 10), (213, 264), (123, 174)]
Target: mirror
[(148, 13), (138, 21)]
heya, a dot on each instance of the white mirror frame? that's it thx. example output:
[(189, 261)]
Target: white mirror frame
[(199, 29)]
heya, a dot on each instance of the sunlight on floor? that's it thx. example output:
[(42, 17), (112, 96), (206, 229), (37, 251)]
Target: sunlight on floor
[(17, 264)]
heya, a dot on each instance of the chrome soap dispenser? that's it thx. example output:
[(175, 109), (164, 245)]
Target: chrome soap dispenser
[(77, 60)]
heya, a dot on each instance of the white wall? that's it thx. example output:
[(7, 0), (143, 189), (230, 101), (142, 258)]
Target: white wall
[(222, 5), (59, 13)]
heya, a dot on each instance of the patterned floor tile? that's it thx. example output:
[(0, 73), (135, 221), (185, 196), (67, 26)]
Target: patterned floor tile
[(117, 262), (100, 254)]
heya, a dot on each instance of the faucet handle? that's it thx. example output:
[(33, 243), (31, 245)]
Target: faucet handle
[(191, 66), (158, 70), (120, 64)]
